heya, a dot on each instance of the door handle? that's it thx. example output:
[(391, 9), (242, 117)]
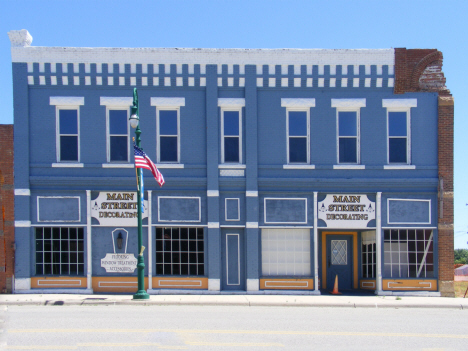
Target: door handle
[(329, 261)]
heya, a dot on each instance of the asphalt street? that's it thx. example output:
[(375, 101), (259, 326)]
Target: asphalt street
[(216, 327)]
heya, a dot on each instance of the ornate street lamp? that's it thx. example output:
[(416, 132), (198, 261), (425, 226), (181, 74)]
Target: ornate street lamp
[(141, 294)]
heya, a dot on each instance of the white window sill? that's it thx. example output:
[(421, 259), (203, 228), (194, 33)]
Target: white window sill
[(298, 166), (69, 165), (118, 165), (399, 167), (169, 165), (231, 166), (349, 167)]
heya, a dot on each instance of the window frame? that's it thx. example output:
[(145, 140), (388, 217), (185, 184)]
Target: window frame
[(307, 111), (158, 135), (407, 110), (108, 134), (230, 109), (358, 135), (58, 108)]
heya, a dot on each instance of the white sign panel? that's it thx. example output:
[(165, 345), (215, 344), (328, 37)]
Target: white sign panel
[(119, 263), (117, 209), (346, 211)]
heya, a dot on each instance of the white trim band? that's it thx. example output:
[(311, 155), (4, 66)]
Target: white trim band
[(349, 167), (251, 193), (22, 224), (22, 192), (396, 167), (213, 225), (212, 193), (251, 225), (67, 165)]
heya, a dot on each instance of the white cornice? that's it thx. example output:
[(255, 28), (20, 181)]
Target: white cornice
[(204, 56)]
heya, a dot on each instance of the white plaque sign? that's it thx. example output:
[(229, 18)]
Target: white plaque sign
[(117, 209), (346, 211), (119, 263)]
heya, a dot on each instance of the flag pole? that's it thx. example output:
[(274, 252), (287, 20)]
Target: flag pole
[(141, 294)]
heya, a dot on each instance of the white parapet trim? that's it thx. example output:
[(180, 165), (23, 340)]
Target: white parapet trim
[(23, 224)]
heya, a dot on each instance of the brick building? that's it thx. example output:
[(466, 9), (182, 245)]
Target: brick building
[(7, 228), (284, 168)]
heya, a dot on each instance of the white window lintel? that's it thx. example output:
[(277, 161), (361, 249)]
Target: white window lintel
[(231, 102), (348, 103), (66, 100), (168, 101), (297, 103), (399, 103), (117, 101)]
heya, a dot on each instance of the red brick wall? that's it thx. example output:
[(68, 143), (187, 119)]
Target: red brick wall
[(7, 228), (421, 70)]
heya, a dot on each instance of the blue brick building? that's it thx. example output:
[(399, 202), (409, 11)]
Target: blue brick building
[(285, 170)]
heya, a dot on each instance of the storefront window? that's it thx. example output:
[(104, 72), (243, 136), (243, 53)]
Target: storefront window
[(286, 252), (408, 253), (59, 251), (180, 251)]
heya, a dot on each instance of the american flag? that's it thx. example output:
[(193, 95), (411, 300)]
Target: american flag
[(143, 161)]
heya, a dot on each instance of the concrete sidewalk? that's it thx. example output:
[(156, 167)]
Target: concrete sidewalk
[(240, 300)]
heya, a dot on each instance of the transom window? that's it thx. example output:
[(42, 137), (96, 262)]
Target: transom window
[(408, 253), (68, 138), (118, 145), (348, 139), (298, 136), (59, 251), (231, 126), (168, 135), (398, 139), (286, 252), (180, 251)]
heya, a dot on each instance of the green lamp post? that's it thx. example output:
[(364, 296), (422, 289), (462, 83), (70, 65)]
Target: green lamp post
[(141, 294)]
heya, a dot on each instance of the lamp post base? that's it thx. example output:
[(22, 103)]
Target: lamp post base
[(141, 295)]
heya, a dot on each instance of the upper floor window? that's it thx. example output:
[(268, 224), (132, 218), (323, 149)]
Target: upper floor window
[(348, 129), (67, 121), (298, 129), (168, 135), (348, 140), (231, 129), (68, 139), (231, 124), (117, 135), (168, 128), (399, 130)]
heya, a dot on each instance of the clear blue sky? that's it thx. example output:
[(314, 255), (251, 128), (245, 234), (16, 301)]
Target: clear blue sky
[(256, 24)]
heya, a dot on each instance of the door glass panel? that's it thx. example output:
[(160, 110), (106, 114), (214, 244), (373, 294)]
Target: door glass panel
[(232, 259), (339, 252)]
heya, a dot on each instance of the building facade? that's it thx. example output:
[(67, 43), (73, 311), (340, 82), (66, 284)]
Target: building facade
[(284, 170)]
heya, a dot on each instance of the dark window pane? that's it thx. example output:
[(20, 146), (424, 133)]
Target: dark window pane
[(297, 123), (231, 149), (298, 150), (69, 148), (231, 123), (168, 149), (68, 121), (347, 124), (118, 148), (168, 122), (397, 124), (118, 122), (348, 152), (397, 150)]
